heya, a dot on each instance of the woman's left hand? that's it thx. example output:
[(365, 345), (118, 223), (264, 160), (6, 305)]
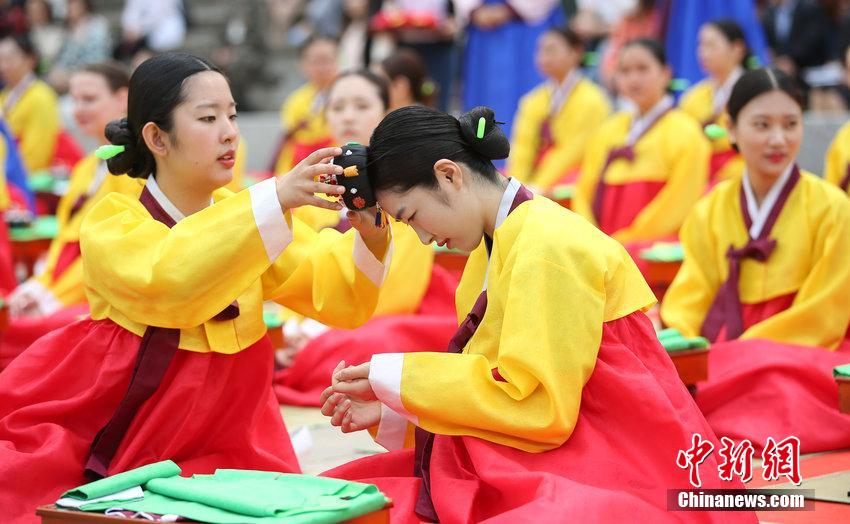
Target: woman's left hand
[(353, 381)]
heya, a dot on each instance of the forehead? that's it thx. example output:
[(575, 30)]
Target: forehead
[(637, 54), (87, 80), (207, 87), (352, 86), (774, 103), (320, 47)]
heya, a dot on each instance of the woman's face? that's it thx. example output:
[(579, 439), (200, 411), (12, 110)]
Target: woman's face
[(717, 55), (201, 147), (354, 110), (449, 215), (554, 58), (95, 104), (14, 63), (319, 63), (768, 132), (641, 77)]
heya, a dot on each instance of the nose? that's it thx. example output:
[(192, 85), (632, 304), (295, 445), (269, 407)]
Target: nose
[(230, 132), (424, 237), (777, 135)]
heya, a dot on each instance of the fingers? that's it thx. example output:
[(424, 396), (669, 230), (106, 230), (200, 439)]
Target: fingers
[(340, 412), (348, 426), (319, 170), (321, 155), (324, 204), (356, 388), (326, 394), (328, 189), (354, 372), (339, 367)]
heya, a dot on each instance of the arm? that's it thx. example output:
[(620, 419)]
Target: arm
[(692, 292), (38, 140), (568, 153), (688, 174), (820, 313), (535, 406)]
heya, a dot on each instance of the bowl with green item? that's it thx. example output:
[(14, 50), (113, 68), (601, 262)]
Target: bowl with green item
[(664, 252), (43, 227)]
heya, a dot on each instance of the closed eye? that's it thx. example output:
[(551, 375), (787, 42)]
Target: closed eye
[(209, 119)]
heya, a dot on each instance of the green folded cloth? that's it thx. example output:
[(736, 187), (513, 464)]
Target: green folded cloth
[(122, 481), (272, 320), (842, 371), (43, 227), (664, 252), (244, 496), (673, 340), (563, 191)]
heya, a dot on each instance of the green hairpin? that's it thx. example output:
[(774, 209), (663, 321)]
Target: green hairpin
[(108, 151), (481, 124), (715, 132), (752, 62), (679, 84), (590, 58)]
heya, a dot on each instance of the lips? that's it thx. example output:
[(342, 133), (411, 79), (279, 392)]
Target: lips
[(228, 159), (776, 158)]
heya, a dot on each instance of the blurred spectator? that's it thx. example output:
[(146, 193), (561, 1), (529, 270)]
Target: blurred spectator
[(316, 18), (28, 104), (499, 79), (827, 80), (797, 32), (87, 41), (643, 21), (46, 34), (157, 24), (408, 80), (594, 19), (428, 27), (13, 20), (355, 35)]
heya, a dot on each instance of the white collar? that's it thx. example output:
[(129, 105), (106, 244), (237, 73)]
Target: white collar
[(722, 91), (759, 214), (640, 124), (504, 208), (163, 200), (99, 176), (507, 200)]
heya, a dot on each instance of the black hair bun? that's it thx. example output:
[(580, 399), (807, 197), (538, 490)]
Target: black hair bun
[(483, 134), (118, 132)]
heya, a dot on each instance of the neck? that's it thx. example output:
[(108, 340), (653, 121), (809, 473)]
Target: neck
[(187, 199), (561, 76), (13, 83), (761, 184), (643, 110), (490, 197), (722, 77)]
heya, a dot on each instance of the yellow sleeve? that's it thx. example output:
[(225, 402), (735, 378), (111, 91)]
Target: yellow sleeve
[(525, 140), (837, 157), (820, 313), (183, 276), (594, 158), (687, 153), (536, 407), (692, 292), (328, 276), (566, 154), (38, 138), (5, 200)]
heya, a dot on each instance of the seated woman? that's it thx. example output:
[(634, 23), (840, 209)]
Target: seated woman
[(722, 53), (836, 168), (767, 266), (554, 400), (174, 362), (415, 308), (31, 108), (56, 296), (555, 120), (644, 170)]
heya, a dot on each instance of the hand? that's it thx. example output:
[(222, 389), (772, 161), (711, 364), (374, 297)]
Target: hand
[(491, 16), (353, 382), (348, 414), (298, 187), (375, 237), (23, 302)]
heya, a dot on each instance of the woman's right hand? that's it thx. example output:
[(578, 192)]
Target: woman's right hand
[(298, 187)]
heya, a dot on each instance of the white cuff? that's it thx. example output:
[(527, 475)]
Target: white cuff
[(366, 261), (392, 430), (385, 378), (269, 217)]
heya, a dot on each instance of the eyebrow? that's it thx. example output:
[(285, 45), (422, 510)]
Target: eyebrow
[(213, 105)]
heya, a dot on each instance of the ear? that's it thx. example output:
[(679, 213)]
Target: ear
[(668, 75), (448, 173), (155, 138)]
